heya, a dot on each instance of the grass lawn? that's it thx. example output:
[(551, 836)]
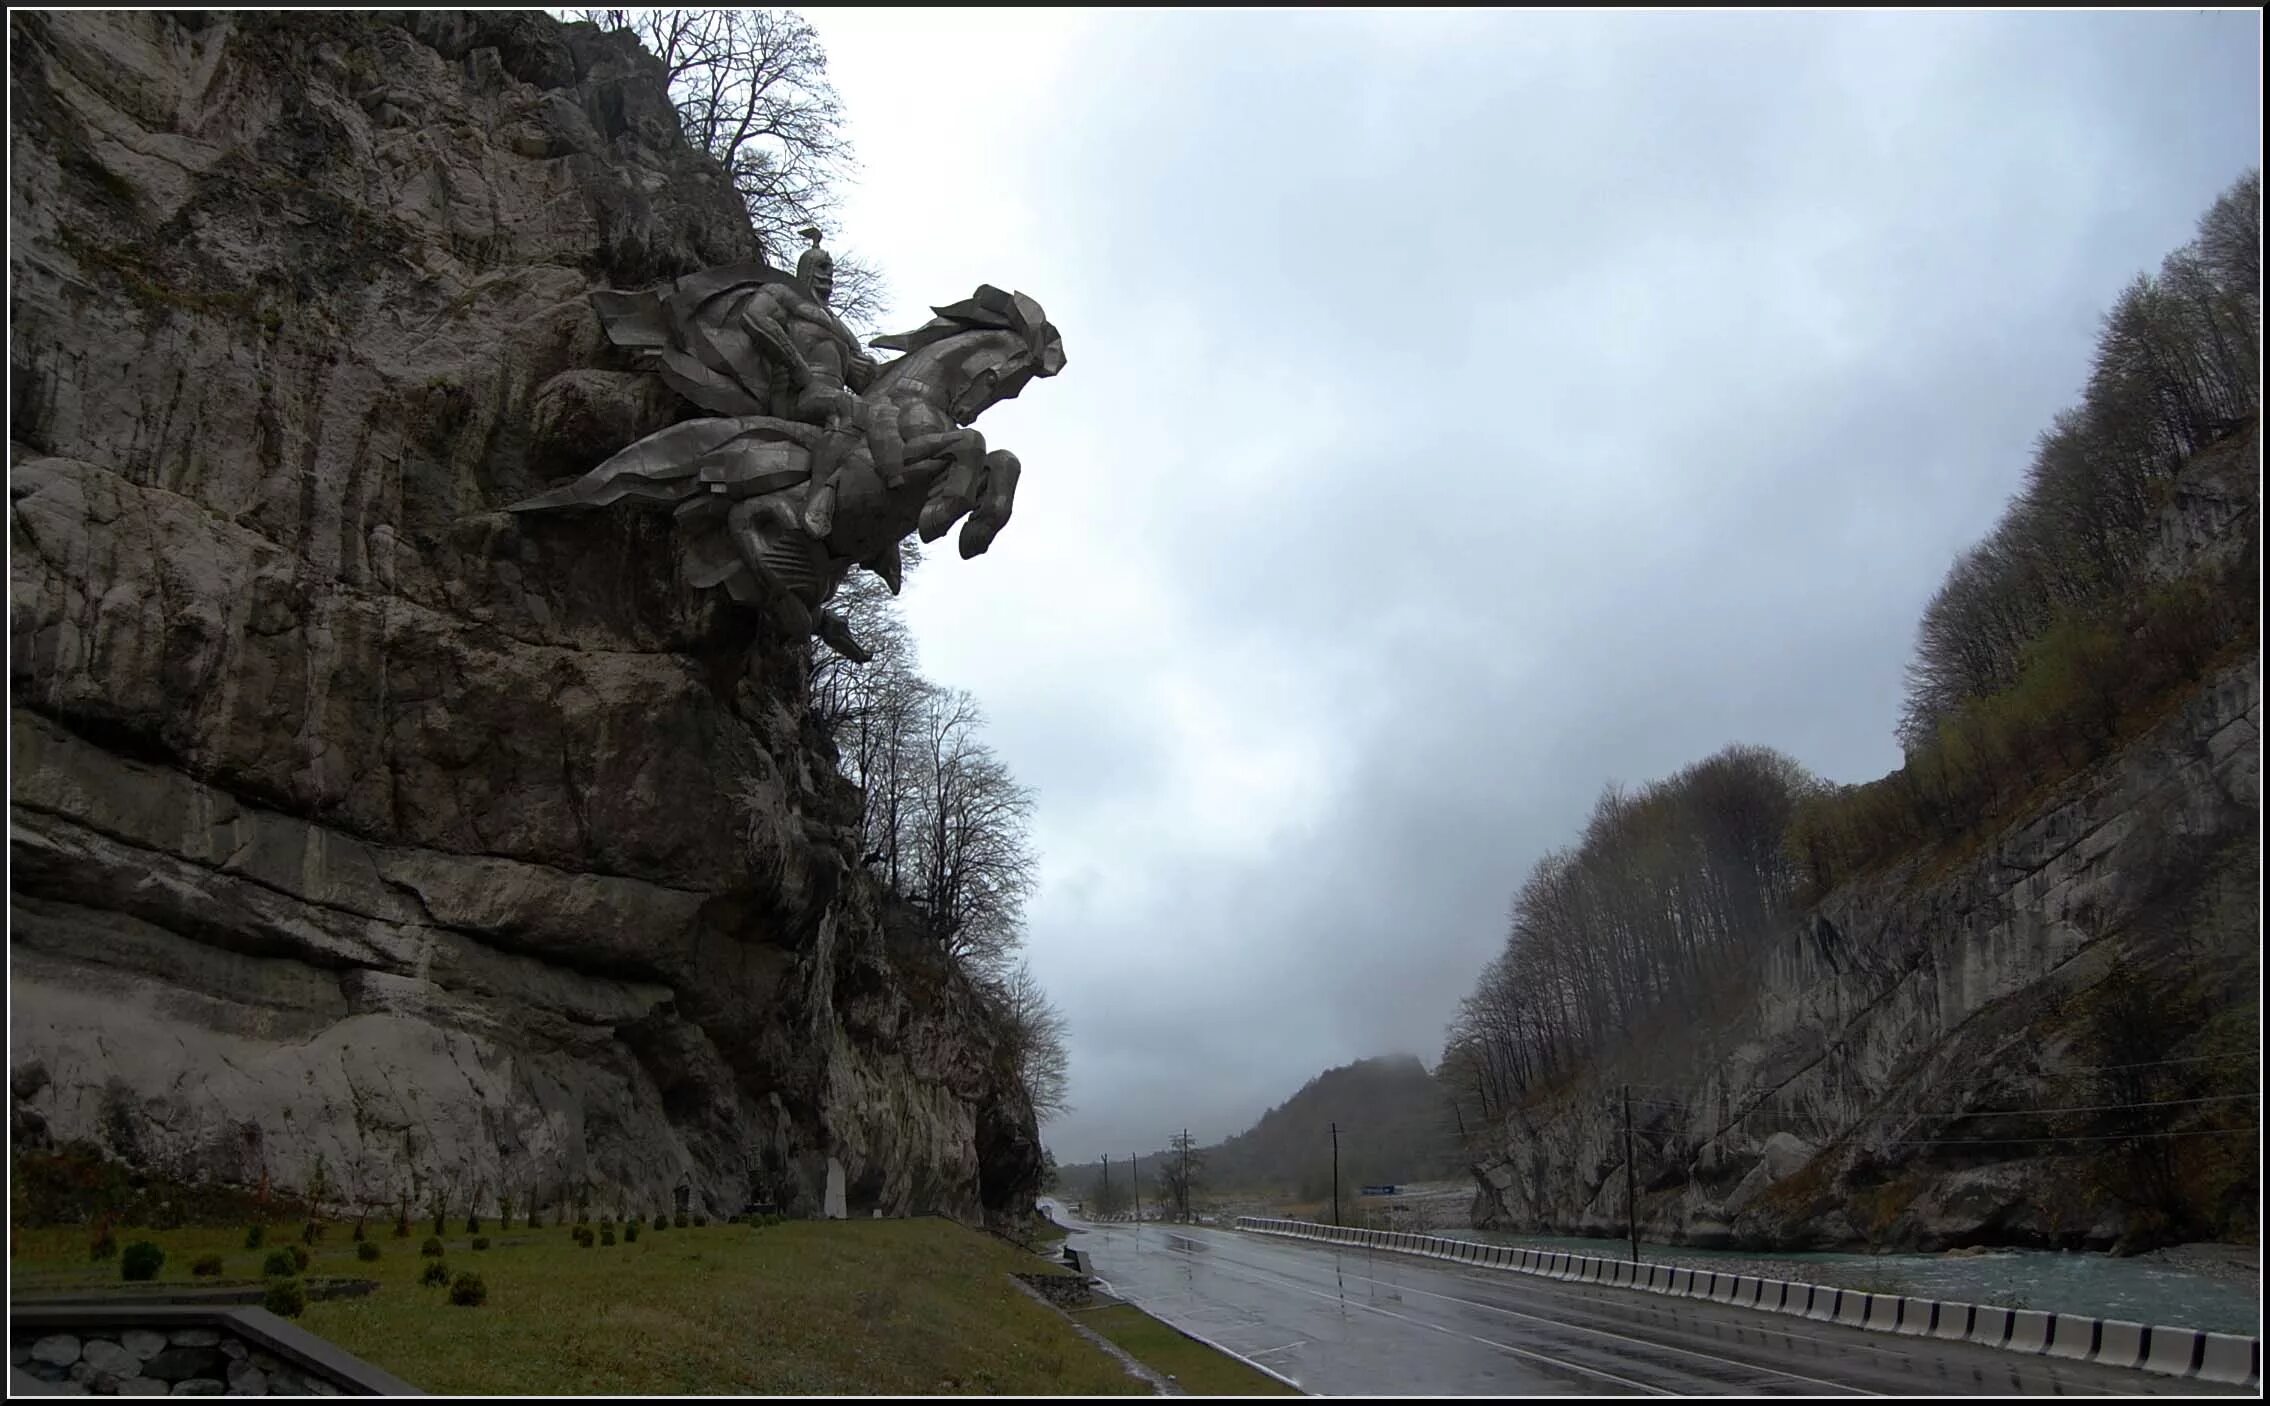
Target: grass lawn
[(1198, 1369), (918, 1307)]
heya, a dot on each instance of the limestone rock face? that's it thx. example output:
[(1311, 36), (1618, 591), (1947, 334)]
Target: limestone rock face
[(354, 819), (1943, 991)]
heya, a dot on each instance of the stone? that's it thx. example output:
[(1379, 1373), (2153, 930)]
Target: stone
[(234, 1350), (182, 1363), (486, 820), (56, 1349), (198, 1386), (142, 1342), (143, 1386), (81, 1372), (832, 1206), (244, 1379), (194, 1337), (19, 1354), (106, 1356)]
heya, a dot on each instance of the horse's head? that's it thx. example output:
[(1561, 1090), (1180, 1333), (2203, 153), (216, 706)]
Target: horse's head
[(992, 344)]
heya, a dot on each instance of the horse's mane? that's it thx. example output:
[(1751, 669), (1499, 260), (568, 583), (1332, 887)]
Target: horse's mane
[(988, 310)]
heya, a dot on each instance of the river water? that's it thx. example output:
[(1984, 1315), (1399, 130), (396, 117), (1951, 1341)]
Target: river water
[(2217, 1288)]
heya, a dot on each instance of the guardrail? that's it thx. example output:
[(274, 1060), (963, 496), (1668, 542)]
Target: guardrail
[(2174, 1352)]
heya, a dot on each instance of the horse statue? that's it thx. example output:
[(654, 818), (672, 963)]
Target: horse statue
[(777, 508)]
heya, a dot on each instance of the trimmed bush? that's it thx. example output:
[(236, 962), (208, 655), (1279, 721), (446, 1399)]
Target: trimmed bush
[(279, 1265), (701, 1221), (584, 1237), (469, 1291), (480, 1242), (432, 1248), (606, 1235), (630, 1232), (254, 1236), (299, 1257), (142, 1260), (679, 1220), (105, 1243), (436, 1273), (207, 1267), (661, 1221), (284, 1298), (366, 1252)]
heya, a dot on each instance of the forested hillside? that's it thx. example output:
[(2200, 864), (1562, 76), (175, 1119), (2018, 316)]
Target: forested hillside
[(2104, 614), (1395, 1125)]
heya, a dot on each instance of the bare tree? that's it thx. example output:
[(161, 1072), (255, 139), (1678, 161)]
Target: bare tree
[(969, 862), (1034, 1034), (751, 88), (1179, 1169)]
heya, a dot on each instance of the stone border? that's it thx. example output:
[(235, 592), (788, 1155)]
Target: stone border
[(234, 1292), (310, 1355), (2174, 1352)]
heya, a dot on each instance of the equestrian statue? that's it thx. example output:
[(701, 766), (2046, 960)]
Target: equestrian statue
[(812, 458)]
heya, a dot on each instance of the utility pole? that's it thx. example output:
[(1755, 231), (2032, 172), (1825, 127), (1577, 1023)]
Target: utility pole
[(1185, 1187), (1135, 1175), (1103, 1197), (1631, 1199), (1335, 1173)]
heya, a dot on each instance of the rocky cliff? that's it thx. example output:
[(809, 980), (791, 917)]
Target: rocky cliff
[(354, 822), (1856, 1092)]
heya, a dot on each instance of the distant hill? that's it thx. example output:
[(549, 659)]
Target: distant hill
[(1396, 1125)]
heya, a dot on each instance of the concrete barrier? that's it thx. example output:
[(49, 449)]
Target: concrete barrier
[(1882, 1313), (1852, 1308), (2074, 1335), (1954, 1321), (2173, 1352), (1825, 1301), (2226, 1357), (2120, 1343), (1773, 1295), (1682, 1281), (1917, 1316), (1990, 1326), (1723, 1288), (2030, 1330), (1595, 1271)]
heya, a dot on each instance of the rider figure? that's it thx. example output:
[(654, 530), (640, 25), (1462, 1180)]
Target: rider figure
[(830, 399)]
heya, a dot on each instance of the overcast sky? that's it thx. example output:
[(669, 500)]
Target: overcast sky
[(1463, 411)]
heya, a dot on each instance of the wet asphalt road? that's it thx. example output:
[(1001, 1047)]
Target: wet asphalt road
[(1356, 1322)]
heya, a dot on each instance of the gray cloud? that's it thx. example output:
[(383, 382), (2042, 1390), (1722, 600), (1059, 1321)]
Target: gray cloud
[(1465, 411)]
